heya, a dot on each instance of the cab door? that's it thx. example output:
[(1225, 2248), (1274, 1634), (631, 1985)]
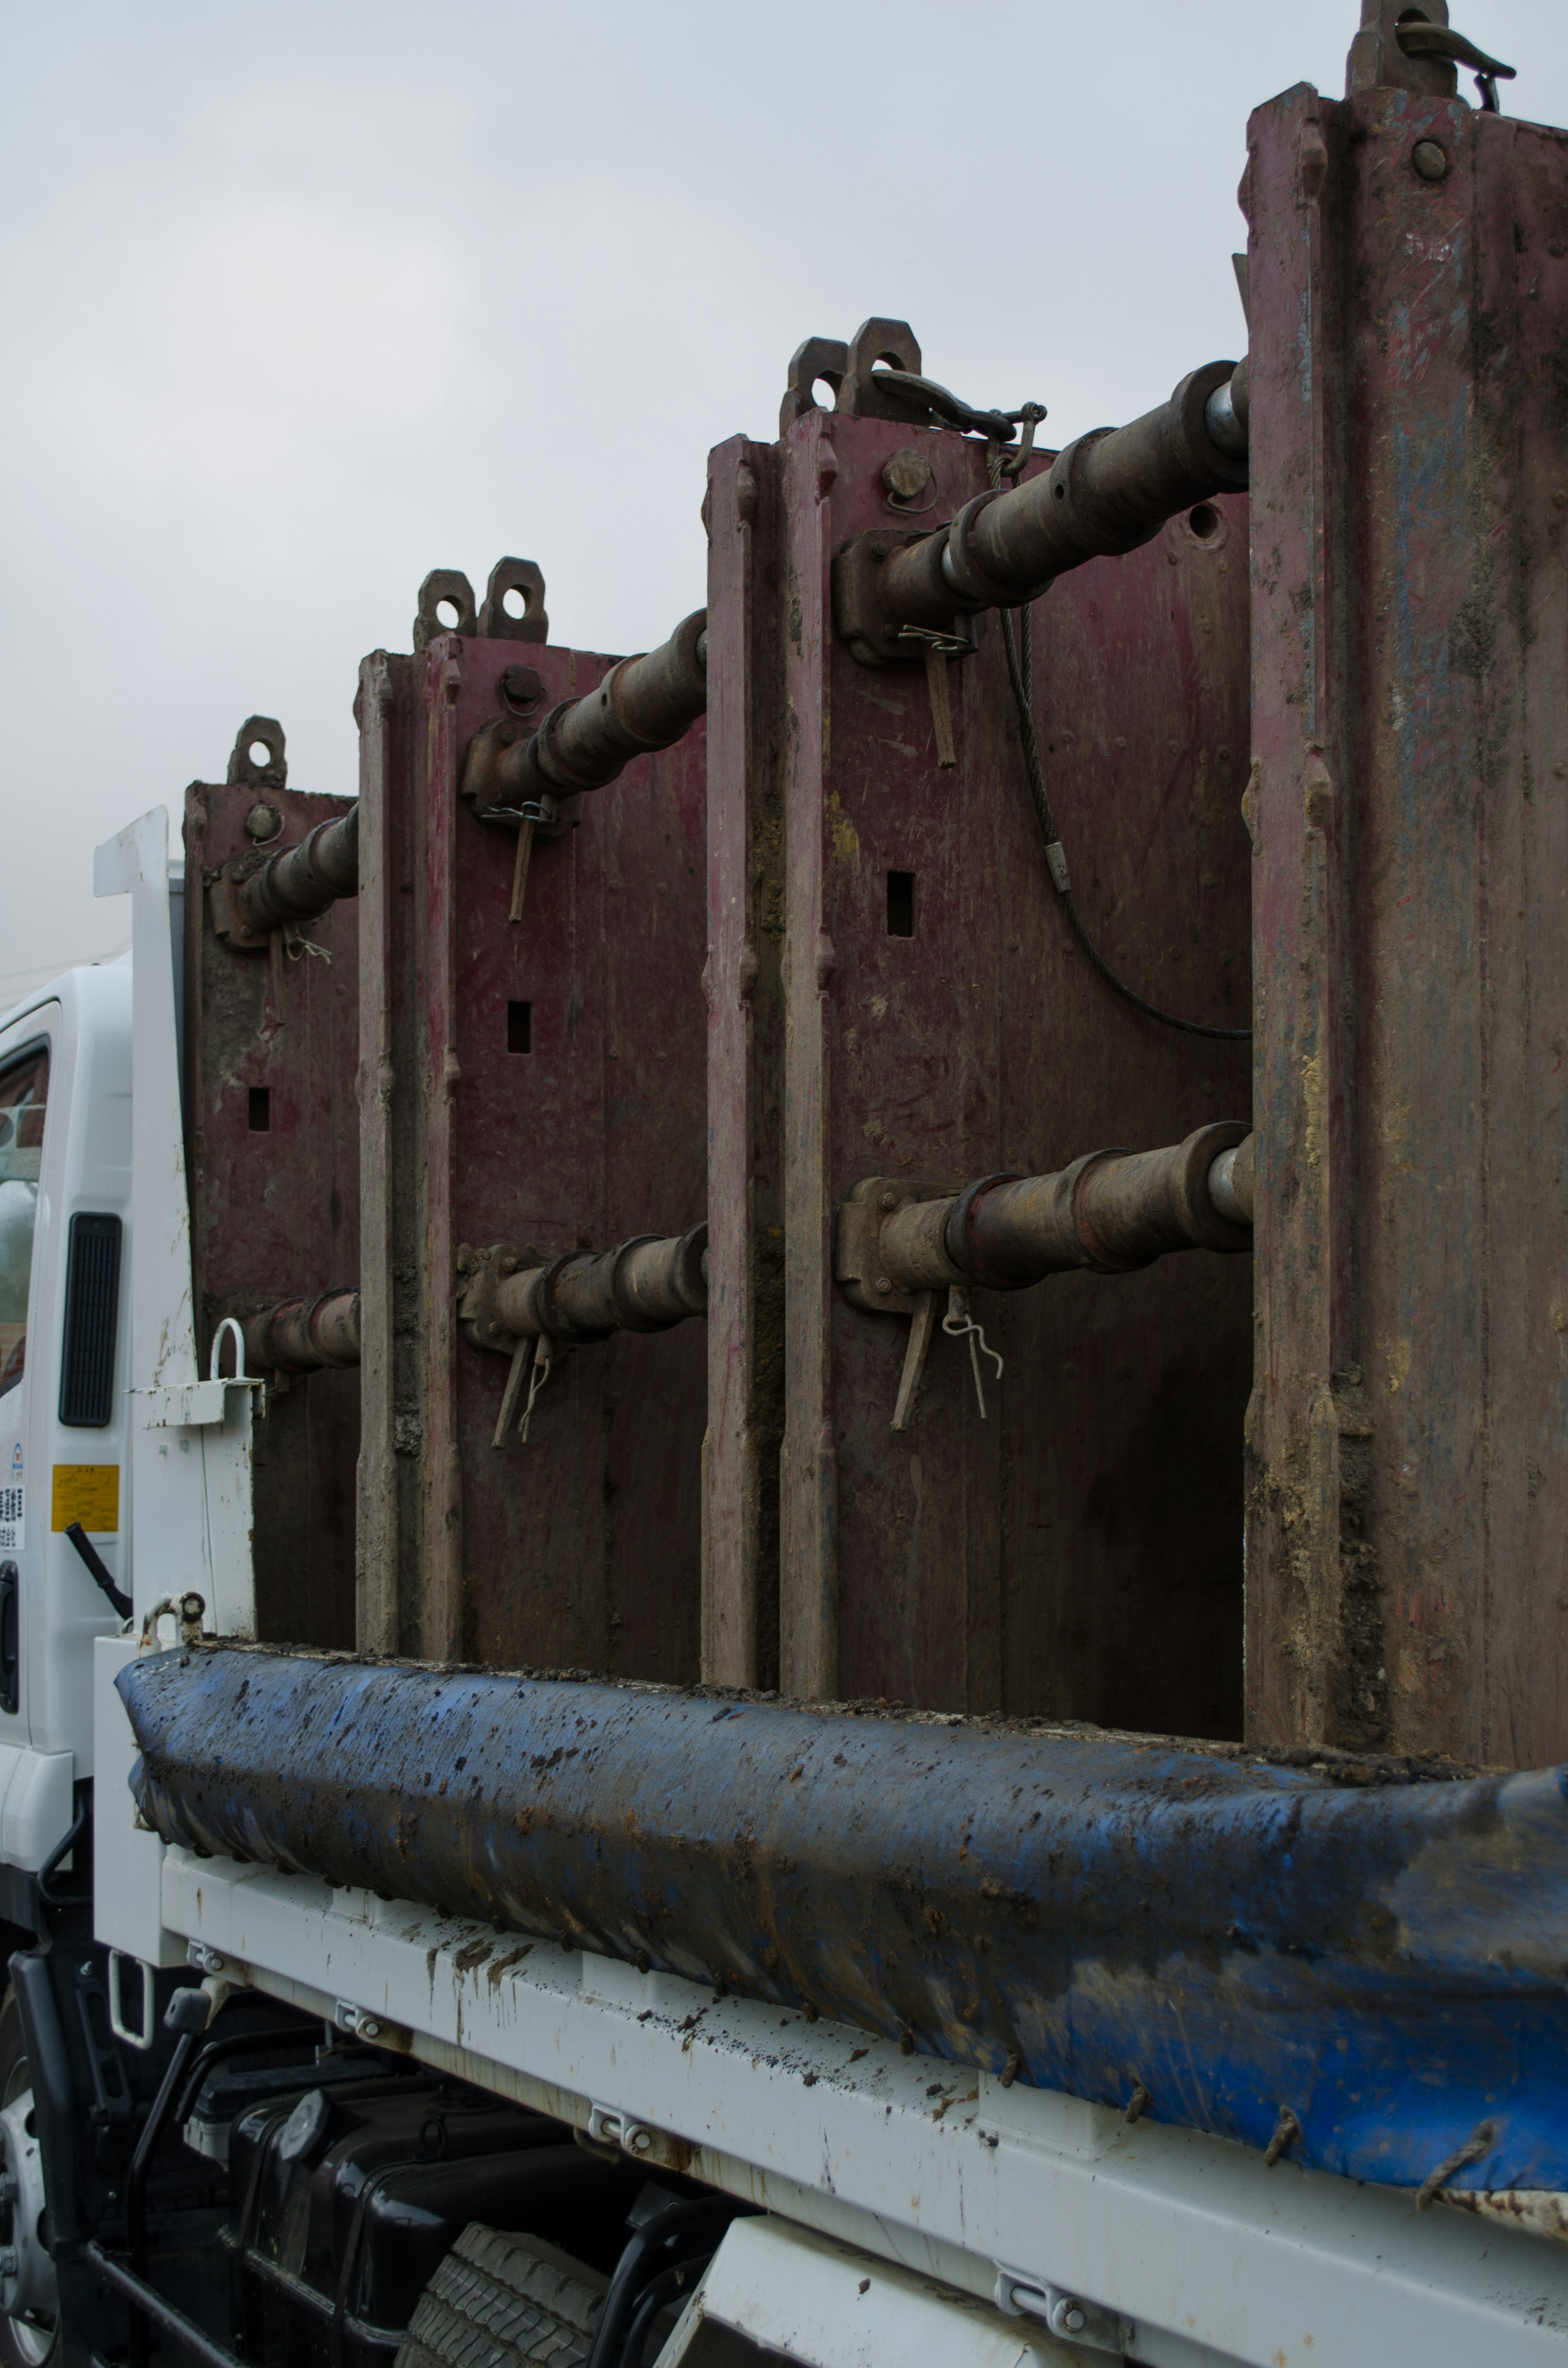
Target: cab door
[(24, 1102)]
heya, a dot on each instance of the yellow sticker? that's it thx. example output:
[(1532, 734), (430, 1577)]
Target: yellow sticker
[(88, 1493)]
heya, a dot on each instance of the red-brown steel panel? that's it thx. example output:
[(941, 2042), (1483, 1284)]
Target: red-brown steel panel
[(580, 1126), (745, 929), (1079, 1550), (271, 1037), (1409, 271)]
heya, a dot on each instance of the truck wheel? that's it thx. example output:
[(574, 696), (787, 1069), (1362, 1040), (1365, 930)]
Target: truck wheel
[(30, 2331), (503, 2301)]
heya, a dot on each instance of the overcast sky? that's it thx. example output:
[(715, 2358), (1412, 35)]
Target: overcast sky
[(300, 302)]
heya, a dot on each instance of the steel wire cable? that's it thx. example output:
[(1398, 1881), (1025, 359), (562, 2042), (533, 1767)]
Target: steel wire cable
[(1021, 675)]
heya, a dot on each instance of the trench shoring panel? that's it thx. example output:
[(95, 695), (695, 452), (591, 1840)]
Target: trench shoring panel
[(273, 1161), (1078, 1551), (544, 1086)]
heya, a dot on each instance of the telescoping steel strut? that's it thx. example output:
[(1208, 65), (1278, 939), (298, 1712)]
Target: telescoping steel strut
[(899, 1243), (1105, 494), (509, 1295), (644, 703)]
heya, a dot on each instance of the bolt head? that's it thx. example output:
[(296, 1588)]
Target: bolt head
[(639, 2141), (521, 688), (1072, 2317), (882, 1284), (86, 1969), (889, 1201), (262, 823), (907, 474), (509, 1262), (369, 2027), (1428, 160)]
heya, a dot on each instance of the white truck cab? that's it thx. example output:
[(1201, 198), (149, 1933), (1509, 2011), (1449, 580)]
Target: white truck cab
[(65, 1178)]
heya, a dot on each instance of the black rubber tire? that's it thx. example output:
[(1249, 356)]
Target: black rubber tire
[(496, 2300), (24, 2347)]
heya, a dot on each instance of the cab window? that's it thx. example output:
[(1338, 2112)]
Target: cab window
[(24, 1090)]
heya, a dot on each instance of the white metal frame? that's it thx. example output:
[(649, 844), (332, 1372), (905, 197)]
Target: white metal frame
[(190, 1440), (1214, 2258), (829, 2305)]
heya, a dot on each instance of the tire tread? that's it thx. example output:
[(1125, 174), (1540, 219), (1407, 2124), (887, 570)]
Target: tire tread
[(503, 2301)]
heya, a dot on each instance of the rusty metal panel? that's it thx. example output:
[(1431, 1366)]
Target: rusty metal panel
[(273, 1162), (1078, 1551), (746, 929), (1406, 1519), (537, 1082)]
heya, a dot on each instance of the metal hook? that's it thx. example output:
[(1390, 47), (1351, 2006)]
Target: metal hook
[(544, 1358), (959, 1324), (1015, 463), (230, 1323), (522, 1357), (239, 1377)]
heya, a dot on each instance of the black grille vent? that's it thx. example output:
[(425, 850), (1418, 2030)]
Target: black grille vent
[(92, 1306)]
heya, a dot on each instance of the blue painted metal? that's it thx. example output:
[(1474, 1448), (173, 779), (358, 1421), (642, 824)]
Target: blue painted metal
[(1384, 1955)]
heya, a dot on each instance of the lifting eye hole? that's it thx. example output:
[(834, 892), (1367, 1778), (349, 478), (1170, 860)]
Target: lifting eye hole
[(901, 904), (1204, 521), (448, 616)]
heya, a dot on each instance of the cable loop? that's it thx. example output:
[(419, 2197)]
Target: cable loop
[(1021, 676)]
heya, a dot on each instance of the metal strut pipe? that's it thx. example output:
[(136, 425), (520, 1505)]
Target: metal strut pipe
[(300, 881), (1110, 1211), (302, 1335), (644, 703), (646, 1285), (1106, 493)]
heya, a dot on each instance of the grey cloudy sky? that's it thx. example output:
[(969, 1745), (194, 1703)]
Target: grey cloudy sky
[(303, 300)]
